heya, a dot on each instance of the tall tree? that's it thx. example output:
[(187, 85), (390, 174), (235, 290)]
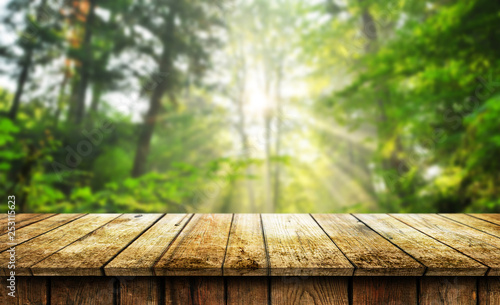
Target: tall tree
[(176, 27), (82, 22), (35, 37)]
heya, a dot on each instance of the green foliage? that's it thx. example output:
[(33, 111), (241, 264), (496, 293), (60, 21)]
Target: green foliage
[(8, 133), (401, 114), (429, 103)]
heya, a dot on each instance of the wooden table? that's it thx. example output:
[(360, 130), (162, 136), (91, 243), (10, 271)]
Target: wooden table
[(254, 259)]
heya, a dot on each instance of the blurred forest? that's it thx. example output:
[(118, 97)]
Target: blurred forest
[(250, 105)]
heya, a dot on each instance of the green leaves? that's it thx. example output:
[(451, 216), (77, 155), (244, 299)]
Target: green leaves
[(9, 150), (425, 91)]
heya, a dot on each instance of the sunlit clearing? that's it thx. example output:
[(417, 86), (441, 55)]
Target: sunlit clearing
[(257, 103)]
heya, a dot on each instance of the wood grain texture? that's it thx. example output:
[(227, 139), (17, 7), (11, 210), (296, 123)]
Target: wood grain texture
[(140, 256), (199, 249), (298, 246), (36, 249), (247, 290), (194, 290), (309, 290), (372, 254), (246, 251), (88, 255), (494, 218), (139, 290), (258, 245), (82, 290), (489, 291), (475, 223), (384, 290), (469, 241), (37, 228), (448, 290), (23, 220), (439, 259), (29, 291)]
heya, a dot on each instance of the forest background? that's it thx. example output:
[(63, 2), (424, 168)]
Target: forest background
[(250, 105)]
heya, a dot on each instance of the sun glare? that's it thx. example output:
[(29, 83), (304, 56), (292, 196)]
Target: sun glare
[(257, 102)]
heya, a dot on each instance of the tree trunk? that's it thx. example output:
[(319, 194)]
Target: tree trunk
[(143, 145), (267, 136), (268, 197), (28, 58), (246, 148), (85, 66), (94, 105), (279, 117), (60, 99), (26, 65), (369, 30), (23, 178)]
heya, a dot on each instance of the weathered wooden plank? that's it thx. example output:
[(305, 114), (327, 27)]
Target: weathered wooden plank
[(29, 291), (309, 290), (246, 251), (139, 290), (82, 290), (36, 229), (36, 249), (372, 254), (448, 290), (194, 290), (384, 290), (4, 292), (489, 291), (199, 248), (469, 241), (439, 259), (140, 256), (23, 217), (247, 290), (298, 246), (88, 255), (23, 220), (494, 218), (475, 223)]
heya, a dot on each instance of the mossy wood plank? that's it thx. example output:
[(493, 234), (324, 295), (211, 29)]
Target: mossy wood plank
[(22, 220), (246, 251), (38, 248), (140, 256), (476, 244), (298, 246), (440, 259), (88, 255), (494, 218), (475, 223), (199, 249), (36, 229), (371, 254)]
